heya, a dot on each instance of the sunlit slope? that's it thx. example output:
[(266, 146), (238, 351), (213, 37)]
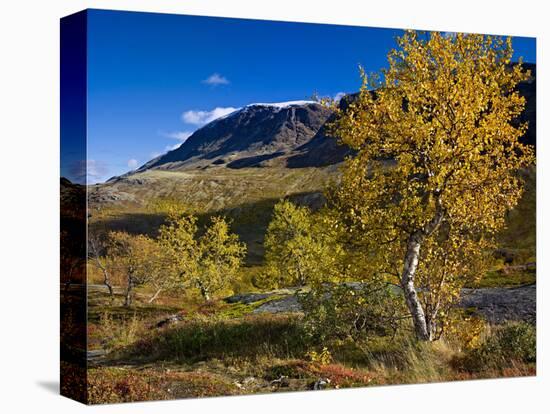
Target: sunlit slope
[(245, 195)]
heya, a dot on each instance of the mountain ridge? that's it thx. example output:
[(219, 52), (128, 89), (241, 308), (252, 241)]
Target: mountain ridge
[(249, 137), (291, 134)]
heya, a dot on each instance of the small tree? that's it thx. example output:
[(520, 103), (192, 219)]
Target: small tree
[(97, 256), (208, 262), (301, 248), (220, 257), (436, 167), (138, 258), (177, 240)]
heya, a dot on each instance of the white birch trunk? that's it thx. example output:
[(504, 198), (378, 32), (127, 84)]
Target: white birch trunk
[(423, 330), (407, 284)]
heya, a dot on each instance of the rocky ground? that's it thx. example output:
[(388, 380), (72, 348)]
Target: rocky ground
[(496, 305), (499, 305)]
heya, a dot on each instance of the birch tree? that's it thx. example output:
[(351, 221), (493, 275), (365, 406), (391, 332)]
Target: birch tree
[(97, 256), (436, 165), (209, 261), (301, 248), (139, 259)]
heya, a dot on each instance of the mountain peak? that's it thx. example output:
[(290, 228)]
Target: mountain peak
[(254, 135), (281, 105), (273, 105)]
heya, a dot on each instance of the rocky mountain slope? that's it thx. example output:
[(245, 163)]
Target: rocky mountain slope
[(288, 134), (258, 135)]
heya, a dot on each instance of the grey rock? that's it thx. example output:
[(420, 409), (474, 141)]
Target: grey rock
[(286, 304), (499, 305), (320, 384), (172, 319), (247, 298), (280, 382)]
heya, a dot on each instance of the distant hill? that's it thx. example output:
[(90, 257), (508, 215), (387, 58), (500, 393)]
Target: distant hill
[(72, 197)]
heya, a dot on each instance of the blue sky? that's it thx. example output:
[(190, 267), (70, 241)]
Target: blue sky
[(155, 78)]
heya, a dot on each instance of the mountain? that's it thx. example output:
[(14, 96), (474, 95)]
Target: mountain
[(528, 90), (287, 134), (72, 197)]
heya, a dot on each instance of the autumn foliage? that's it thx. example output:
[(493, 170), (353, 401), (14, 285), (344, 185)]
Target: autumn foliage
[(436, 165)]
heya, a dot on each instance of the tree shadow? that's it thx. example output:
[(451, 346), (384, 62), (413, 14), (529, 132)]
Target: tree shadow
[(249, 221), (253, 162), (252, 336)]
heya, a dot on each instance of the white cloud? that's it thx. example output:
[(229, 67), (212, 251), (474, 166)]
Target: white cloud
[(179, 135), (132, 163), (216, 79), (204, 117), (193, 117), (172, 147), (339, 96), (97, 169), (167, 148), (90, 171)]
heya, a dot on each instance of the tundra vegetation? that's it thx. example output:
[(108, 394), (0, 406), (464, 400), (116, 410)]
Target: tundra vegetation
[(437, 186)]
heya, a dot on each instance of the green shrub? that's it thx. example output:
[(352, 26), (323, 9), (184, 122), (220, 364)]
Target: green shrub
[(516, 342), (519, 341), (358, 311)]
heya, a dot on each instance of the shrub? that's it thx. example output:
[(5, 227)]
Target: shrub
[(341, 376), (515, 342), (114, 385), (289, 369), (464, 329), (119, 333), (324, 357), (519, 342), (359, 311)]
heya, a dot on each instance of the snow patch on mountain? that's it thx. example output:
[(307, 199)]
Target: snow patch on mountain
[(276, 105), (282, 105)]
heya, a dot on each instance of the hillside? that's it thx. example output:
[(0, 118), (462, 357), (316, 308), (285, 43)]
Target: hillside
[(245, 195), (255, 136)]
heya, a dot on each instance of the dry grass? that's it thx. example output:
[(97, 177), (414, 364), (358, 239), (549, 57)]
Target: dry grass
[(211, 354)]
